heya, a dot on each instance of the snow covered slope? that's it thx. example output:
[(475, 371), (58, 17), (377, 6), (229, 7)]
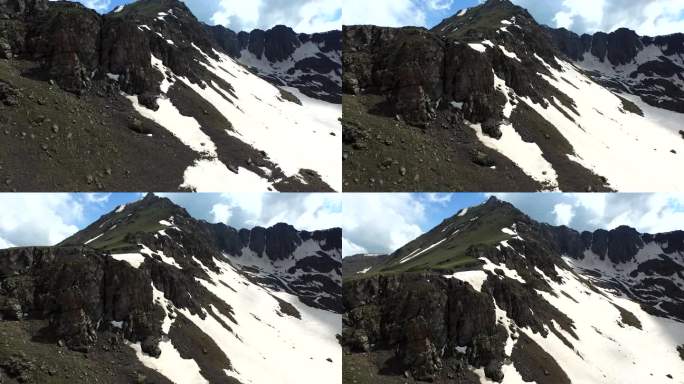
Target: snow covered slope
[(507, 104), (650, 67), (610, 140), (158, 87), (297, 137), (539, 304), (611, 131), (192, 302), (311, 63)]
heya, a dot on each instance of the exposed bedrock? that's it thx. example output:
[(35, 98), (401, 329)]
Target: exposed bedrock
[(423, 319)]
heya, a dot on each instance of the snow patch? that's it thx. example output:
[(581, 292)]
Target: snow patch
[(474, 278), (631, 151), (528, 156), (478, 47), (93, 239), (134, 259), (294, 136), (211, 175), (413, 256)]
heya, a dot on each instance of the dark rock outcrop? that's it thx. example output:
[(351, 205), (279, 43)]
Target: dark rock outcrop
[(424, 330), (652, 78), (535, 364), (66, 40), (619, 245), (315, 75), (77, 46), (78, 290), (307, 278), (424, 71), (618, 47), (91, 296)]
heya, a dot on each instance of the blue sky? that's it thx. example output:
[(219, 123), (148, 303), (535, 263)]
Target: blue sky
[(436, 15), (46, 219), (372, 222), (381, 223)]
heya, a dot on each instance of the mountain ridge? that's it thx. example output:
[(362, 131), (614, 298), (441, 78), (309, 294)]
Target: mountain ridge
[(523, 307), (150, 76), (500, 102), (163, 291), (567, 241)]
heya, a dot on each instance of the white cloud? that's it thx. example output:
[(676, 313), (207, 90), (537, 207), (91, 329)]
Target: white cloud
[(319, 16), (238, 14), (305, 211), (440, 4), (302, 15), (98, 5), (97, 198), (647, 17), (387, 13), (5, 244), (350, 248), (564, 213), (440, 198), (380, 222), (221, 213), (37, 219), (650, 213)]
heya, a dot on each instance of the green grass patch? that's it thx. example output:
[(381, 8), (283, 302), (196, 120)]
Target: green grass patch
[(144, 221), (451, 254)]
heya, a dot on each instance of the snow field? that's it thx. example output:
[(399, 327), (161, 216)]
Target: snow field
[(528, 156), (207, 174), (631, 151), (294, 136), (266, 346), (607, 350)]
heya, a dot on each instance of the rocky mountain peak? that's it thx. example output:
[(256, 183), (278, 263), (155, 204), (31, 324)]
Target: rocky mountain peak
[(151, 8), (150, 277), (539, 293), (495, 202), (483, 20), (495, 207)]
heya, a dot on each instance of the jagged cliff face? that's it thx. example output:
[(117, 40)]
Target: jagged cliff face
[(488, 101), (178, 299), (150, 75), (532, 302), (649, 67), (309, 62)]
